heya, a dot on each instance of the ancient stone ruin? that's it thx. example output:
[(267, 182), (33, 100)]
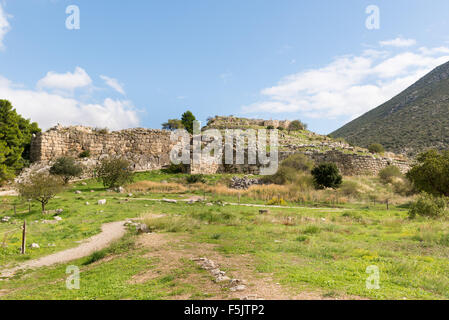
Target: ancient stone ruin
[(149, 149)]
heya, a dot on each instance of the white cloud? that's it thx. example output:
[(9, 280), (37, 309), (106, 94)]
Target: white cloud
[(65, 81), (4, 26), (350, 85), (114, 84), (50, 108), (398, 42)]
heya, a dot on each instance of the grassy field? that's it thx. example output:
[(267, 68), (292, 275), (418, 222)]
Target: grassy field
[(315, 250)]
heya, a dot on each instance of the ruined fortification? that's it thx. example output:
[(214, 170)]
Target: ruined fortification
[(149, 149), (146, 149)]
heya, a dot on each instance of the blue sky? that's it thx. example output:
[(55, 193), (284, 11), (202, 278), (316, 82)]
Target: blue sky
[(140, 62)]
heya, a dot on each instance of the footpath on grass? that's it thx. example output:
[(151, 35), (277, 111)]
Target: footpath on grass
[(109, 233)]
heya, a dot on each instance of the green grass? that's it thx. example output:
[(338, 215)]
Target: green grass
[(313, 249)]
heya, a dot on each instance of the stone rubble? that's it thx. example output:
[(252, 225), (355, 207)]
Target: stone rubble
[(243, 183), (234, 285)]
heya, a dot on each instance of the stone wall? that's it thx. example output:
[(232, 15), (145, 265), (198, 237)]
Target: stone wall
[(150, 149), (146, 149), (220, 122)]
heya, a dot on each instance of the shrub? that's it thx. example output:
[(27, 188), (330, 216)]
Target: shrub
[(276, 201), (327, 175), (431, 173), (66, 168), (350, 188), (298, 162), (387, 174), (114, 172), (270, 127), (296, 125), (41, 187), (84, 154), (403, 187), (291, 170), (428, 205), (195, 178), (174, 168), (376, 148), (101, 130)]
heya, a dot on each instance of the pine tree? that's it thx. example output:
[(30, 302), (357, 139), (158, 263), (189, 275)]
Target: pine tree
[(15, 137)]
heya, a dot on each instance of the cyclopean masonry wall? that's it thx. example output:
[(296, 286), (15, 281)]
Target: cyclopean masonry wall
[(146, 149), (150, 149)]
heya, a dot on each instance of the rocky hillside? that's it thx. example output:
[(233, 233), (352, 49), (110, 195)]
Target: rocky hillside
[(295, 141), (413, 121)]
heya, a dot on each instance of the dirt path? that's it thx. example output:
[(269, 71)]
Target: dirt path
[(169, 252), (109, 233)]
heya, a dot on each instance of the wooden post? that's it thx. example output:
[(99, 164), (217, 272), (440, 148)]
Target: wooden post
[(24, 232), (388, 206)]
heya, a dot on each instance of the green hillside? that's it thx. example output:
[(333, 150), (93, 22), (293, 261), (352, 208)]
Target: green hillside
[(413, 121)]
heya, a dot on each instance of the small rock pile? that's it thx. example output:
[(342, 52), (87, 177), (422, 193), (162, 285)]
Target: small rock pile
[(243, 183), (140, 227), (220, 276), (5, 219)]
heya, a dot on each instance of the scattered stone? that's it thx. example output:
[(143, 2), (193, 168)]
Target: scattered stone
[(221, 278), (92, 191), (83, 183), (240, 287), (87, 203), (120, 190), (244, 183), (57, 218), (212, 267), (130, 195), (250, 297), (209, 204), (102, 202), (6, 219), (78, 192), (142, 228), (51, 245), (35, 246), (169, 201), (59, 211)]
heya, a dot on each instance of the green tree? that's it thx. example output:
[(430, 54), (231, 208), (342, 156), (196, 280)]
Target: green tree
[(376, 148), (15, 139), (66, 168), (41, 187), (431, 173), (172, 124), (327, 175), (114, 172), (187, 120), (296, 125)]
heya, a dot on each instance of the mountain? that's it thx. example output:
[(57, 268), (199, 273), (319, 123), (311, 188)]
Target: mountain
[(413, 121)]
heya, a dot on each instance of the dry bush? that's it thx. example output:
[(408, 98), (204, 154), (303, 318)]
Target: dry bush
[(156, 187)]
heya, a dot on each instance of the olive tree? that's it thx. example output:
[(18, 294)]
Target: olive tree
[(41, 187), (114, 172), (66, 168)]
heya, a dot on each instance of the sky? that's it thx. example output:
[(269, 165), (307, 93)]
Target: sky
[(138, 63)]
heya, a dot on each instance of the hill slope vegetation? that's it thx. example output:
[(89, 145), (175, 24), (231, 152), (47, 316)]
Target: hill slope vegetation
[(415, 120)]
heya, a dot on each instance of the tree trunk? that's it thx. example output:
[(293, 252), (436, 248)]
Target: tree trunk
[(43, 207)]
